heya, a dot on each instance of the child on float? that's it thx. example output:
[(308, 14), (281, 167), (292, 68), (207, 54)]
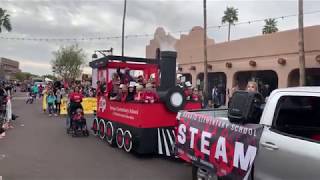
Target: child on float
[(113, 95), (131, 91), (115, 78), (149, 94), (123, 93), (138, 97)]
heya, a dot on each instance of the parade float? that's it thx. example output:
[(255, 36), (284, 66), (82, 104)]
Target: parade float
[(143, 128)]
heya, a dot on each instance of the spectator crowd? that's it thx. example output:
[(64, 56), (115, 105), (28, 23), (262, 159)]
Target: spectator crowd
[(125, 88), (6, 115)]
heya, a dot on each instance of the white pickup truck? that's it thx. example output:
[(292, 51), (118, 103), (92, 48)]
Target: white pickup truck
[(289, 147)]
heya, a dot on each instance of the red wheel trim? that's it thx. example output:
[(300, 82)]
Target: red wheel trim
[(94, 126), (102, 129), (119, 137), (127, 140), (109, 131)]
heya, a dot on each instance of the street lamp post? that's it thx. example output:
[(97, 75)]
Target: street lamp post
[(205, 62), (302, 71), (123, 23)]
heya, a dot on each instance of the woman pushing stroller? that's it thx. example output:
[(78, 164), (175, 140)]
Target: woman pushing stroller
[(75, 99), (75, 112)]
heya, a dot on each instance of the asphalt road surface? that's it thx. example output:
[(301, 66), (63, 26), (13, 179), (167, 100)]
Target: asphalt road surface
[(38, 148)]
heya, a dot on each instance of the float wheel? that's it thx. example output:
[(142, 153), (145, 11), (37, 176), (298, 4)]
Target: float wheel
[(127, 141), (109, 133), (102, 127), (95, 127), (119, 138)]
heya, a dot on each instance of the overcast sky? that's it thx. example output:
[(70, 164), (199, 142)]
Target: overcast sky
[(102, 18)]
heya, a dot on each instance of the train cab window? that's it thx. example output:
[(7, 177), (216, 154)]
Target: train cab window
[(299, 116)]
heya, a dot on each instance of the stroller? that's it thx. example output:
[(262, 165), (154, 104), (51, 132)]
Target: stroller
[(78, 124), (31, 97)]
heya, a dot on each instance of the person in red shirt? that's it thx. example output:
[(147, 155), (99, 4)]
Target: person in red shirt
[(123, 93), (115, 79), (149, 95), (138, 97), (75, 99)]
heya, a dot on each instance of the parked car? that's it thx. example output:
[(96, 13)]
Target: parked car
[(290, 142)]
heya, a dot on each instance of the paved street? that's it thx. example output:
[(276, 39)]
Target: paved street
[(38, 148)]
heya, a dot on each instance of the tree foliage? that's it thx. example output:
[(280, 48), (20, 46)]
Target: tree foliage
[(270, 26), (68, 62), (4, 20), (230, 15), (21, 76)]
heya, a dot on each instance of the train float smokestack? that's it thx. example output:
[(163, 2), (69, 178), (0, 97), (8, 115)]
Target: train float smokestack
[(167, 70)]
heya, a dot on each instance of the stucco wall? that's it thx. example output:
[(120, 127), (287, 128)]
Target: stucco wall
[(265, 50)]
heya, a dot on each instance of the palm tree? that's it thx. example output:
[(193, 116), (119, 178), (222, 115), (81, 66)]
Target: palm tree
[(270, 26), (4, 20), (302, 70), (230, 17)]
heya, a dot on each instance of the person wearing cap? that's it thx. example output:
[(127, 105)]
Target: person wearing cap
[(138, 97), (149, 95), (131, 93), (113, 95), (188, 90)]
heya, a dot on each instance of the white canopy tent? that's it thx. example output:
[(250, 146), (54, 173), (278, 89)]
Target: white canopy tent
[(48, 80)]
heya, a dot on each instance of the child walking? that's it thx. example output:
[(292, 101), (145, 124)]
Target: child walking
[(58, 101), (51, 100)]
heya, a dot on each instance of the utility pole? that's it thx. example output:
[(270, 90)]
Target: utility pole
[(302, 65), (123, 23), (205, 75)]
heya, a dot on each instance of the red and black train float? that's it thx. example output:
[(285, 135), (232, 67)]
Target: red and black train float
[(144, 128)]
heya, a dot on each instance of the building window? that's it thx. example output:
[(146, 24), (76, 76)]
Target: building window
[(312, 77), (218, 81)]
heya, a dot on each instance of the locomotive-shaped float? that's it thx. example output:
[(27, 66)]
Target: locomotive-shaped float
[(143, 127)]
